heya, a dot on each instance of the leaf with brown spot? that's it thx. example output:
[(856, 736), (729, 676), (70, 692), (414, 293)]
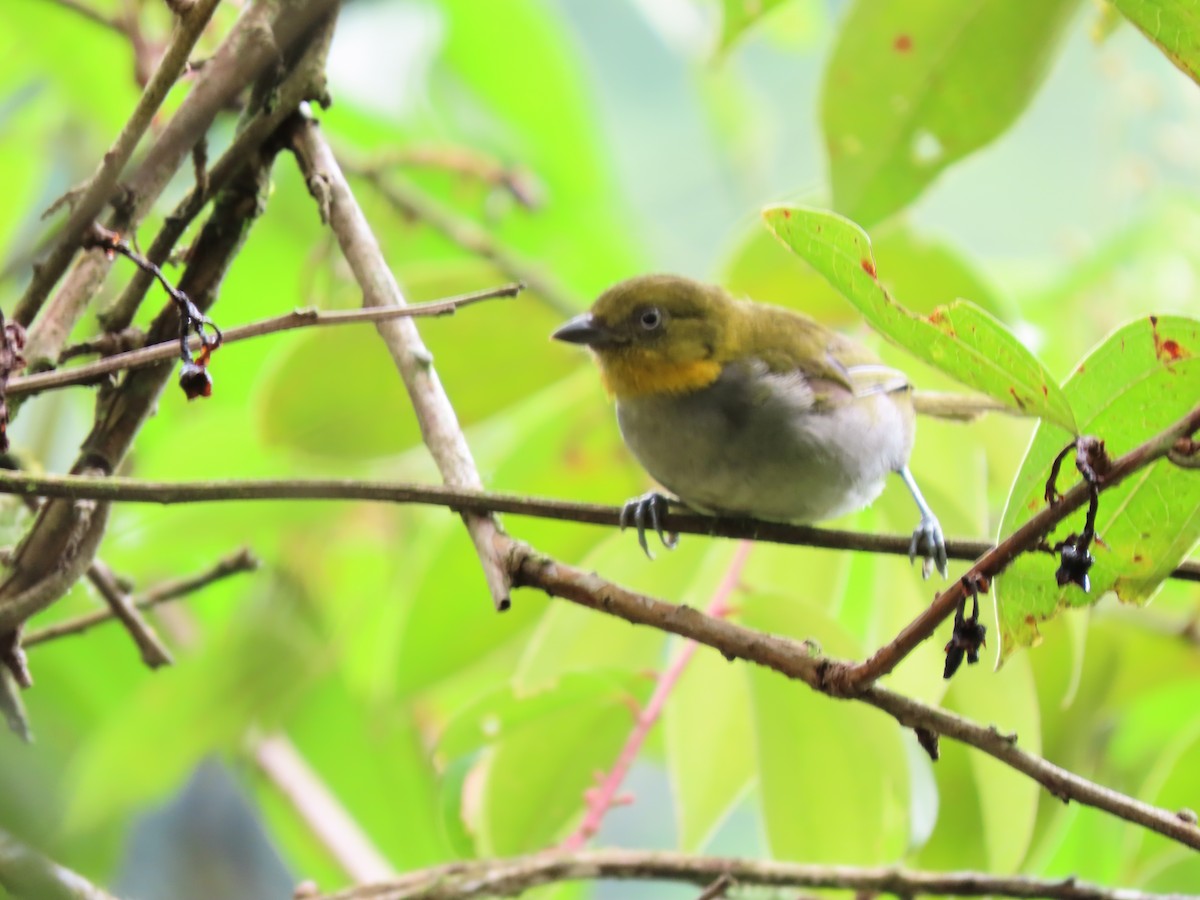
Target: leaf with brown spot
[(959, 338), (1126, 392)]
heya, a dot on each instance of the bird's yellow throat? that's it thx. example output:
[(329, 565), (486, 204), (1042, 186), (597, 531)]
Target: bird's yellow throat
[(637, 373)]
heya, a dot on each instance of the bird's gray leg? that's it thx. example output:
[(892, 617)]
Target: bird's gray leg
[(648, 509), (927, 538)]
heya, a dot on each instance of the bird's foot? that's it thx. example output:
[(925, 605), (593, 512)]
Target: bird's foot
[(929, 543), (648, 509)]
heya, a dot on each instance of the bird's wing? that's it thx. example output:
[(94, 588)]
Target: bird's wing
[(871, 378)]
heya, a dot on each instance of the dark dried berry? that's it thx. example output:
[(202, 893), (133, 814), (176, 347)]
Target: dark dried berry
[(967, 639), (195, 381), (1074, 565)]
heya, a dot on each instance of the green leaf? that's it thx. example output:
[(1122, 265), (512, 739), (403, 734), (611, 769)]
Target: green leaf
[(913, 87), (1171, 25), (1008, 800), (739, 15), (711, 697), (958, 338), (249, 676), (501, 713), (531, 785), (833, 776), (1139, 381)]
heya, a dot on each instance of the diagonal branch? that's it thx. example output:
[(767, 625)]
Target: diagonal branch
[(413, 203), (511, 877), (25, 873), (796, 660), (439, 424), (997, 559), (99, 189), (791, 658), (241, 561), (300, 318)]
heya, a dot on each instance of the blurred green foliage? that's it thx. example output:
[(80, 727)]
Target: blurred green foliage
[(654, 133)]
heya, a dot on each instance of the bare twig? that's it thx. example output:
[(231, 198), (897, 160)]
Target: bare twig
[(439, 424), (796, 660), (511, 877), (154, 651), (132, 490), (304, 81), (330, 822), (241, 561), (300, 318), (28, 875), (100, 187), (89, 12), (603, 797), (411, 202), (464, 161)]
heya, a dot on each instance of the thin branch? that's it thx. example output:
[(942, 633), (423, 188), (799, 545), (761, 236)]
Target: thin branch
[(241, 561), (132, 490), (795, 659), (412, 203), (510, 877), (122, 607), (439, 423), (89, 12), (604, 797), (463, 161), (61, 543), (27, 874), (1024, 539), (99, 189), (303, 82), (280, 761), (263, 35), (300, 318)]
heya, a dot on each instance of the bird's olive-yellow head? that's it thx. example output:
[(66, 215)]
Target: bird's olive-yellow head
[(656, 334)]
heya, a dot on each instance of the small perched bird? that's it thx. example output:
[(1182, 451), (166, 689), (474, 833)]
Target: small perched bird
[(739, 408)]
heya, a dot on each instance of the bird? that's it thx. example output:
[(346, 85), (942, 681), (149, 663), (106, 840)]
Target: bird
[(747, 409)]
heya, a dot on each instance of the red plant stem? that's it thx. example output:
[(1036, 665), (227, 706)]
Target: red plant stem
[(604, 797)]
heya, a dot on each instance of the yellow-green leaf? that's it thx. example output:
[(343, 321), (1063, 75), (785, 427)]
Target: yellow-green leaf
[(959, 338), (913, 87), (1139, 381), (1172, 26)]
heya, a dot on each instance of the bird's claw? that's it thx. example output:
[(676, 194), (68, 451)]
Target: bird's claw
[(648, 509), (929, 543)]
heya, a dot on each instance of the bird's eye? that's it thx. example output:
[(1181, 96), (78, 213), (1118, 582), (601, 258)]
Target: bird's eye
[(651, 318)]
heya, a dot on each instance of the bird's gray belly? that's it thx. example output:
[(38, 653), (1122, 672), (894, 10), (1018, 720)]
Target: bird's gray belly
[(757, 447)]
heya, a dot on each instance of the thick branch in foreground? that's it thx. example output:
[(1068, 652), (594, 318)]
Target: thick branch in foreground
[(25, 873), (510, 877), (435, 415)]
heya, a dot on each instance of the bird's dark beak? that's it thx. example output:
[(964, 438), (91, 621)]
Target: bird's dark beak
[(583, 329)]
